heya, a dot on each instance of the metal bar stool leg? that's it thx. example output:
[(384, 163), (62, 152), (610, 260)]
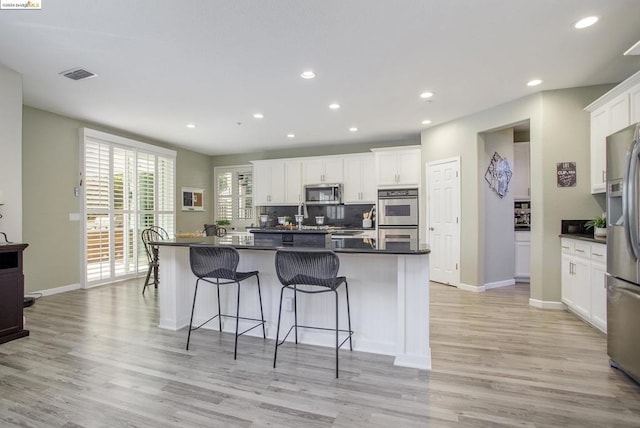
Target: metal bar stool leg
[(295, 310), (264, 331), (337, 338), (346, 288), (193, 307), (146, 281), (219, 311), (235, 346), (275, 354), (156, 266)]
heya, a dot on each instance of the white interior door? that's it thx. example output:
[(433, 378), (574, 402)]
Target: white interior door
[(443, 206)]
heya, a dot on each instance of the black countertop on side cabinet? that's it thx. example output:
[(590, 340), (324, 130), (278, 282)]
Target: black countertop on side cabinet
[(584, 237), (353, 245)]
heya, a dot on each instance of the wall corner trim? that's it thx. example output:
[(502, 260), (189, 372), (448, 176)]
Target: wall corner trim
[(542, 304), (498, 284), (473, 288)]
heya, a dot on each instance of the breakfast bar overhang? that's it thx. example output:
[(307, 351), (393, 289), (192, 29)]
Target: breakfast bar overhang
[(388, 290)]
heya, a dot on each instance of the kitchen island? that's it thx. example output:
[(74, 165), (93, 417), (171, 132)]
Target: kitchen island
[(388, 291)]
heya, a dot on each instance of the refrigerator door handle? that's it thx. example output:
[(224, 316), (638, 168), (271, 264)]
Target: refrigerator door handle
[(629, 195)]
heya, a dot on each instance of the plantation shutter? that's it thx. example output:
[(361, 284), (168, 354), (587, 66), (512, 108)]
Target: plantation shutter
[(127, 187)]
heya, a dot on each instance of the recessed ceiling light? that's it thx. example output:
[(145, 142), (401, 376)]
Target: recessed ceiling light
[(308, 74), (585, 22), (353, 129), (291, 135), (426, 94), (426, 122), (258, 115), (534, 82), (334, 106), (191, 125)]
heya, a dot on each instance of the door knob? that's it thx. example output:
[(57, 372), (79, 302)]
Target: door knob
[(431, 228)]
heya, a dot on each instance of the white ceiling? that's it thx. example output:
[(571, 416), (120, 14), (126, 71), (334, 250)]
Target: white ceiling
[(163, 64)]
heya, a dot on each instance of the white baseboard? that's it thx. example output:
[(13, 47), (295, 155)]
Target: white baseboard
[(473, 288), (56, 290), (498, 284), (542, 304), (421, 362)]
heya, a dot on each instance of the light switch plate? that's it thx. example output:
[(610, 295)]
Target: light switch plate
[(74, 216)]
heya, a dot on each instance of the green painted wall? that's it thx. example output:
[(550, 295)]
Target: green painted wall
[(50, 167)]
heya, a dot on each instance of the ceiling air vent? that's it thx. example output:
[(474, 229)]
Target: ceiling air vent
[(78, 74)]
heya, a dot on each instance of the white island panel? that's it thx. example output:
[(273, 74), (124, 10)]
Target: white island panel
[(389, 299)]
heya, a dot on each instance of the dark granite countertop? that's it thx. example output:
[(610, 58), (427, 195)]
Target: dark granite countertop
[(284, 230), (584, 237), (355, 245)]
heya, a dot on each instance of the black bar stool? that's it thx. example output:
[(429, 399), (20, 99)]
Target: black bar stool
[(221, 263), (317, 268), (151, 234)]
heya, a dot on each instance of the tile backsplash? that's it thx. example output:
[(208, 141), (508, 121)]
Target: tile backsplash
[(349, 216)]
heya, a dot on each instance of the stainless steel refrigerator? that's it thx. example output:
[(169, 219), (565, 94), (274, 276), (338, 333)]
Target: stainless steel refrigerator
[(623, 250)]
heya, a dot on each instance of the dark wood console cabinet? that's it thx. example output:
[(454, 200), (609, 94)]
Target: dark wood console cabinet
[(11, 292)]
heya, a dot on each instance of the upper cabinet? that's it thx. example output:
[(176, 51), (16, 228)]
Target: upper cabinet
[(323, 170), (521, 172), (359, 179), (610, 113), (268, 183), (277, 182), (293, 182), (398, 166)]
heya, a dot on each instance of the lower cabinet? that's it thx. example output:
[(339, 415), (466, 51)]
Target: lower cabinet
[(583, 280), (523, 256)]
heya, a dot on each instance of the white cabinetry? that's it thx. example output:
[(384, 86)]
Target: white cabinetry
[(583, 280), (521, 174), (598, 283), (359, 179), (268, 183), (323, 170), (277, 182), (398, 166), (293, 182), (613, 111), (634, 98), (523, 256)]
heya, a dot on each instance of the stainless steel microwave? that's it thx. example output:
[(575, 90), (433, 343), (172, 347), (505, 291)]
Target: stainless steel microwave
[(323, 194)]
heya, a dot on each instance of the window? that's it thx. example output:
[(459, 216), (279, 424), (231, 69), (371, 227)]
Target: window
[(234, 195), (127, 186)]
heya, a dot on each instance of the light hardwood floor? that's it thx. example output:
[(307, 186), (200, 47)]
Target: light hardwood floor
[(96, 359)]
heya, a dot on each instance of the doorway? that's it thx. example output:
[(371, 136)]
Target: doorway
[(443, 208)]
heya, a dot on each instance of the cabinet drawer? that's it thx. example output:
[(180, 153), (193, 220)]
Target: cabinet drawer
[(599, 253), (566, 245), (582, 249)]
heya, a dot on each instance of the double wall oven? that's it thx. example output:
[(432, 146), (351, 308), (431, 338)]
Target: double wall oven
[(398, 219)]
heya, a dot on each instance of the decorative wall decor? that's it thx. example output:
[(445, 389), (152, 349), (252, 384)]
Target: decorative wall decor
[(566, 173), (192, 199), (498, 175)]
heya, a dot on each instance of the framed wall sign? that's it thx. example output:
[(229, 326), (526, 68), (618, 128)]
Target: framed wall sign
[(566, 174), (192, 199)]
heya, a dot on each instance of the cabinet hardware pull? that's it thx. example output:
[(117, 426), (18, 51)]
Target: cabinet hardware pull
[(603, 176), (566, 248), (596, 254), (579, 251)]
